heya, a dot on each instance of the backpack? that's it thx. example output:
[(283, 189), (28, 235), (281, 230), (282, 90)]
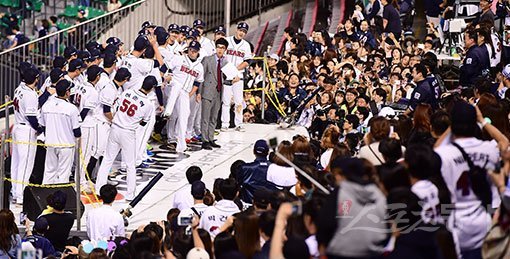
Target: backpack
[(478, 175)]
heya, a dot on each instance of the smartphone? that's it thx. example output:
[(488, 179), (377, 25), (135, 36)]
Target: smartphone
[(391, 131), (184, 221), (297, 208), (22, 218), (273, 143)]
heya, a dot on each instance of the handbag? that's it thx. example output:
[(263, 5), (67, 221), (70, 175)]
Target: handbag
[(496, 244)]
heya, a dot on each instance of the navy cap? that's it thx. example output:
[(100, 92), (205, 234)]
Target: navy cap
[(62, 86), (122, 74), (149, 82), (243, 26), (198, 24), (198, 189), (95, 54), (59, 62), (92, 45), (76, 64), (56, 74), (41, 225), (159, 30), (82, 11), (184, 29), (70, 51), (30, 75), (93, 72), (173, 28), (141, 43), (148, 24), (194, 45), (193, 33), (84, 55), (114, 41), (112, 49), (162, 37), (23, 66), (109, 60), (261, 147), (220, 29)]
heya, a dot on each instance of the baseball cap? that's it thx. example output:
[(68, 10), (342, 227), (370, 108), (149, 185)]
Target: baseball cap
[(76, 64), (84, 55), (93, 72), (162, 37), (141, 43), (122, 74), (462, 114), (95, 54), (30, 75), (92, 45), (261, 147), (194, 45), (56, 74), (111, 49), (243, 26), (220, 29), (62, 86), (275, 57), (159, 29), (41, 224), (149, 82), (70, 51), (197, 253), (109, 59), (193, 33), (114, 41), (198, 189), (148, 24), (23, 66), (222, 41), (198, 24), (506, 71), (59, 62), (184, 29), (173, 28)]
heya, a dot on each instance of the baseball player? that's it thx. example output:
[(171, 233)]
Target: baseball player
[(238, 53), (109, 67), (207, 47), (173, 30), (135, 110), (26, 127), (76, 67), (220, 32), (48, 89), (87, 100), (60, 120), (187, 77), (139, 66), (193, 125), (108, 103)]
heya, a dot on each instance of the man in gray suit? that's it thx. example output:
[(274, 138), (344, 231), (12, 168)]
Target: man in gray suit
[(210, 92)]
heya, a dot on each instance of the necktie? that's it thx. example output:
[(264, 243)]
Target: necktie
[(220, 78)]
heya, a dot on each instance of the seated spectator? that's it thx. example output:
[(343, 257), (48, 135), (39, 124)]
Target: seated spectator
[(105, 221), (60, 222), (36, 237)]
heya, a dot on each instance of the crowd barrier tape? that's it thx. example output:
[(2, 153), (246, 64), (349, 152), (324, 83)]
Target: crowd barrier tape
[(276, 104), (5, 104), (254, 90), (53, 186)]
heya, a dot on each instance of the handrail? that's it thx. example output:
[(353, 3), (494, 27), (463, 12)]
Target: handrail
[(72, 27)]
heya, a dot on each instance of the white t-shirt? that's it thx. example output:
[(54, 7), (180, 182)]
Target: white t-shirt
[(215, 216), (60, 119), (186, 72), (26, 103), (281, 175), (86, 97), (104, 223), (200, 208), (135, 107), (182, 198)]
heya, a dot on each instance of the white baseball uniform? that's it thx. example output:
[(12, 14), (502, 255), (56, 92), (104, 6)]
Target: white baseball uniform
[(139, 68), (60, 118), (207, 47), (108, 96), (135, 107), (25, 104), (469, 219), (235, 54), (87, 97), (185, 73), (174, 48)]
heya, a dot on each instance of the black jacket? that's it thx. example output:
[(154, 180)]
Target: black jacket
[(253, 176)]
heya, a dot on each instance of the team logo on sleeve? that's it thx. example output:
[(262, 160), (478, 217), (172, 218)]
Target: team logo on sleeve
[(469, 61), (417, 95)]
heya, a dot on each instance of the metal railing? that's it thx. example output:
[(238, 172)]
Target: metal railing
[(40, 52)]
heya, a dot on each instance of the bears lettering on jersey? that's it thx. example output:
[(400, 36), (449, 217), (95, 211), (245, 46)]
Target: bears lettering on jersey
[(188, 70), (235, 53)]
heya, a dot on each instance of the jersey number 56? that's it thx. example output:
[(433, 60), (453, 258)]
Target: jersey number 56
[(128, 107)]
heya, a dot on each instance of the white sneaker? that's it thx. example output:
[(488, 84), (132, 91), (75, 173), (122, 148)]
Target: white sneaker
[(224, 129), (240, 129)]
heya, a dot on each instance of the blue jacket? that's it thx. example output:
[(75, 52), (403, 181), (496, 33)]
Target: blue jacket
[(476, 64), (422, 93), (253, 176), (40, 242)]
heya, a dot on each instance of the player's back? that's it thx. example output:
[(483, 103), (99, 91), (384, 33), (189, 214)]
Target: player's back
[(87, 97), (109, 96), (134, 107), (60, 118), (25, 103), (139, 68)]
